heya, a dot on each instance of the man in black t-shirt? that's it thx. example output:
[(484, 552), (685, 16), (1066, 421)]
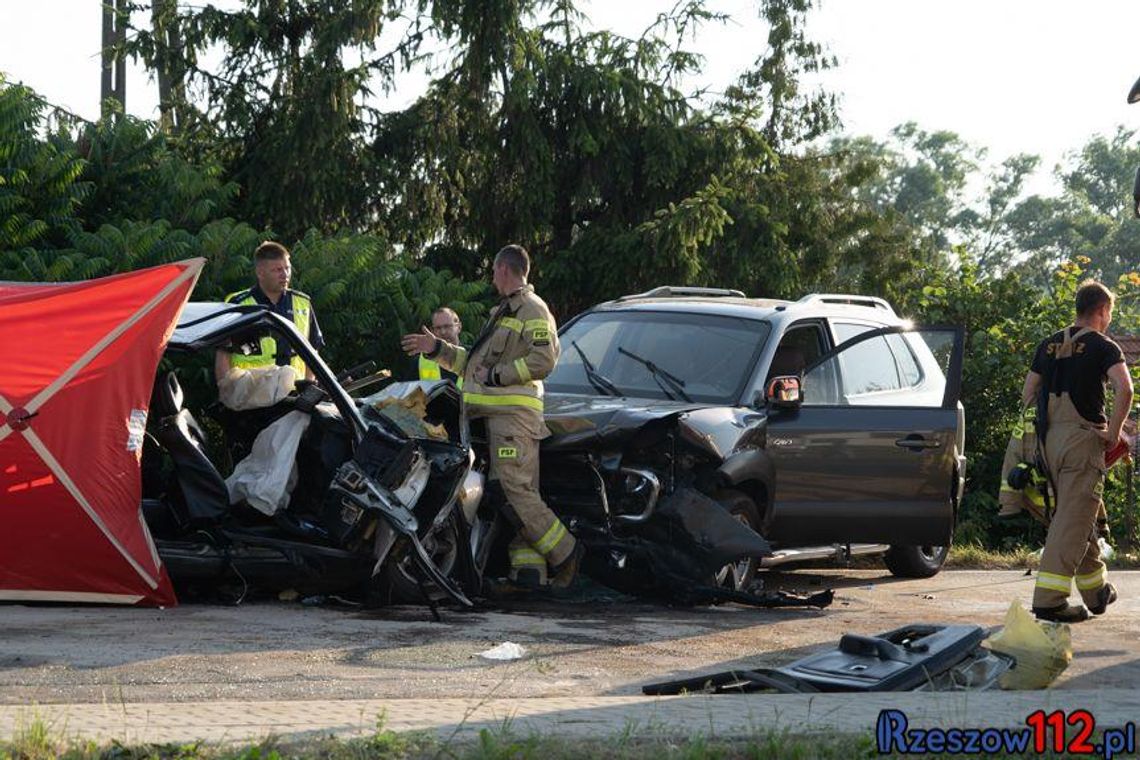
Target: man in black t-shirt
[(1067, 382)]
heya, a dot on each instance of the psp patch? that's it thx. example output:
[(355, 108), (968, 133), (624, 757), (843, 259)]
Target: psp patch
[(541, 333), (508, 452)]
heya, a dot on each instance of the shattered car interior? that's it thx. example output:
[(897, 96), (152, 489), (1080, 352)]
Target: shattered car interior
[(373, 510)]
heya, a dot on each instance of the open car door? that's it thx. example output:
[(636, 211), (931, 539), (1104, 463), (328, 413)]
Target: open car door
[(875, 451)]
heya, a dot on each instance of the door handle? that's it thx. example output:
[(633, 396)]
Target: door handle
[(916, 442)]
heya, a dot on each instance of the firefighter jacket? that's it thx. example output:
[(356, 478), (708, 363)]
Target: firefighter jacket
[(519, 347), (1021, 452)]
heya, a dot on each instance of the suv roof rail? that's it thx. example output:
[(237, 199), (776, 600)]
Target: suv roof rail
[(872, 302), (674, 291)]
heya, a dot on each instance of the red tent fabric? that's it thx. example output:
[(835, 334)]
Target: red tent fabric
[(79, 366)]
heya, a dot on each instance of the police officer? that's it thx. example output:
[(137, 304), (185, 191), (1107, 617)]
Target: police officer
[(273, 271), (446, 326), (502, 374), (1067, 381)]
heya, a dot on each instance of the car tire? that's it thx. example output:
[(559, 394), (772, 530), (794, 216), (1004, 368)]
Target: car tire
[(740, 575), (397, 581), (915, 561)]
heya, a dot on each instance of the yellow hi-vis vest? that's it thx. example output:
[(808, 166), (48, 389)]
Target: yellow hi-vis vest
[(429, 370), (302, 309)]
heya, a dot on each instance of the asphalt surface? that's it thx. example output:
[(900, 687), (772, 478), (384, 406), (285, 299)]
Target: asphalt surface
[(277, 651)]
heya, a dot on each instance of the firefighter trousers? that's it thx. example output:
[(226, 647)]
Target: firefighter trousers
[(1074, 454), (542, 540)]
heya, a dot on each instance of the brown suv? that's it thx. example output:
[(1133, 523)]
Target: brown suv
[(674, 388)]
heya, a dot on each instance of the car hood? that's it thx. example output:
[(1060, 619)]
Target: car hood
[(592, 423)]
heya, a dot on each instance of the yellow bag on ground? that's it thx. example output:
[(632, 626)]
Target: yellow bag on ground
[(1042, 649)]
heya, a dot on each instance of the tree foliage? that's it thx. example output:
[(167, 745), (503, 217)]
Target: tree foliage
[(582, 145), (40, 185)]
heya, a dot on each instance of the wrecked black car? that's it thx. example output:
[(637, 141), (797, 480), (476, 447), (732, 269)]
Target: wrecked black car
[(376, 493), (827, 424)]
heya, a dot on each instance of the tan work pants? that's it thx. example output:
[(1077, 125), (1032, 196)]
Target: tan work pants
[(542, 539), (1074, 453)]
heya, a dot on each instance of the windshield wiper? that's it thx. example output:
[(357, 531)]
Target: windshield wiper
[(660, 376), (597, 379)]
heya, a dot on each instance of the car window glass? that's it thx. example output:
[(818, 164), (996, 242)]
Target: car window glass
[(800, 347), (871, 376), (845, 331), (909, 373), (714, 355), (866, 367)]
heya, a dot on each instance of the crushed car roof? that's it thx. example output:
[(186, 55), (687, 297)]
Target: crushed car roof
[(203, 320)]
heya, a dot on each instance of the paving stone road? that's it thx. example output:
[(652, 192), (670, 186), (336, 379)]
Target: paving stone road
[(285, 668)]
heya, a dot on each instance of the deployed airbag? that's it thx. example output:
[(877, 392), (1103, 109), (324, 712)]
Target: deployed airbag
[(257, 388), (266, 477)]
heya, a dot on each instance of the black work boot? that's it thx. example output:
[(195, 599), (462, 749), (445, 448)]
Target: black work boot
[(506, 589), (1062, 613), (1105, 596), (565, 572), (529, 578)]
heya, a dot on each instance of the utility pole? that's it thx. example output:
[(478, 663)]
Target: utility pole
[(169, 65), (114, 74)]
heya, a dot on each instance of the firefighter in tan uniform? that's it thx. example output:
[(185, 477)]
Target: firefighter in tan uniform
[(502, 375), (1067, 382)]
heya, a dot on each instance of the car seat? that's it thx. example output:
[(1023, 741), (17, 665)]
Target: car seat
[(205, 498)]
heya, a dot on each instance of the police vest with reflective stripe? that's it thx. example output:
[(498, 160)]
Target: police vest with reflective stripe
[(302, 311), (429, 370)]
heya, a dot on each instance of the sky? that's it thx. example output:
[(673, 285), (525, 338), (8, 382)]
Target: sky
[(1014, 76)]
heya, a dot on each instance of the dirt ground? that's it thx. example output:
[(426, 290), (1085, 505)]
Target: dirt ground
[(277, 650)]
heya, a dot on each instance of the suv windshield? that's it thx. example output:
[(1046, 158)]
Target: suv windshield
[(713, 356)]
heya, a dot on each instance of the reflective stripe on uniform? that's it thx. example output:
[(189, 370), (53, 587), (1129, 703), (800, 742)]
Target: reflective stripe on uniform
[(302, 308), (1093, 580), (1029, 492), (1024, 422), (510, 399), (1054, 582), (526, 557), (539, 329), (428, 369), (515, 325), (523, 370), (551, 537)]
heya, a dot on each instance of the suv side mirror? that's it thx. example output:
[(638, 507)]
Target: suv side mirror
[(784, 392)]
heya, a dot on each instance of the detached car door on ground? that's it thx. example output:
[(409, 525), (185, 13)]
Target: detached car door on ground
[(875, 442)]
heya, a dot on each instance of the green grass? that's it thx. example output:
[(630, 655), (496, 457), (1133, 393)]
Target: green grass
[(971, 557), (38, 743), (502, 744)]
